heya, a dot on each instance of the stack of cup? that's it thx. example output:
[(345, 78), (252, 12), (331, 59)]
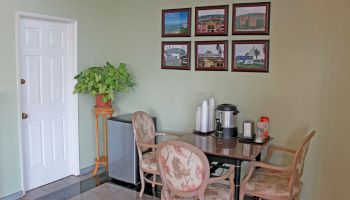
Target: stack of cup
[(205, 120)]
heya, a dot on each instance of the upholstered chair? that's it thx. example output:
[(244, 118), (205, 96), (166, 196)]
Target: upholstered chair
[(184, 170), (145, 135), (273, 182)]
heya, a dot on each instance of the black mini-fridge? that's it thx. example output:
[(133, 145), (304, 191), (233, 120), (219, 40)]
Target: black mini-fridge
[(122, 152)]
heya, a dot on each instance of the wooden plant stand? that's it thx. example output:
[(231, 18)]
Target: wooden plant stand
[(102, 159)]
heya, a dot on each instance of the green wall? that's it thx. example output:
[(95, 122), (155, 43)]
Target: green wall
[(307, 87), (304, 90), (94, 35)]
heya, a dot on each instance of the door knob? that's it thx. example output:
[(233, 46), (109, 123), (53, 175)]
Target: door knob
[(23, 81), (24, 115)]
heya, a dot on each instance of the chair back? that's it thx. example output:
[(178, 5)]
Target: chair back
[(184, 169), (144, 129), (299, 159)]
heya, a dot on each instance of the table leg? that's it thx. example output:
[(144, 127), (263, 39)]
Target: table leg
[(258, 158), (237, 179)]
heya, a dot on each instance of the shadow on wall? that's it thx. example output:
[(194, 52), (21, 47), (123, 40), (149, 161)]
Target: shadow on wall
[(294, 140)]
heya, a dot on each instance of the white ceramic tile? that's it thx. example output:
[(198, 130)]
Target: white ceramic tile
[(78, 197), (91, 195), (107, 189), (127, 194)]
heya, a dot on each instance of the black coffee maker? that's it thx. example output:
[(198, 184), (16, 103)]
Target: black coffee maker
[(226, 121)]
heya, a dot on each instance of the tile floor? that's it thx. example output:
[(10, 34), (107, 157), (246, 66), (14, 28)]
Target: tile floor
[(110, 191), (88, 187), (72, 185)]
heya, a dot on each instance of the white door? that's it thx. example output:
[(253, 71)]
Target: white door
[(43, 59)]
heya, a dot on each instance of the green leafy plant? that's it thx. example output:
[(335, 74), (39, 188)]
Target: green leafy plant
[(106, 80)]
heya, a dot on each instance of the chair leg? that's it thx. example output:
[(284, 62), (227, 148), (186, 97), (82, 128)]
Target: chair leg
[(154, 180), (297, 197), (142, 177), (94, 172), (241, 193)]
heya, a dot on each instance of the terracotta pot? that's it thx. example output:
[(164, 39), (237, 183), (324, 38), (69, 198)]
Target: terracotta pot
[(100, 103)]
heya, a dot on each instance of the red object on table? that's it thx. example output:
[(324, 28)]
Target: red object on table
[(266, 131), (264, 119)]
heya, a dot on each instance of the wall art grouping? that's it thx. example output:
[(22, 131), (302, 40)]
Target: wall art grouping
[(247, 55)]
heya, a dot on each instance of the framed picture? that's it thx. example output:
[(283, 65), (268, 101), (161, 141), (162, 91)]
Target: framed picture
[(251, 19), (250, 56), (211, 55), (176, 22), (176, 55), (211, 20)]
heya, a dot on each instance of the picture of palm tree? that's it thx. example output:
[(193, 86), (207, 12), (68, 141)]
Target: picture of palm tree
[(257, 53), (250, 55), (211, 55)]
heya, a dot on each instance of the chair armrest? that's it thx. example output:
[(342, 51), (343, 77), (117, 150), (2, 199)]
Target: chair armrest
[(143, 145), (269, 166), (228, 174), (272, 149), (171, 133), (279, 148), (153, 146)]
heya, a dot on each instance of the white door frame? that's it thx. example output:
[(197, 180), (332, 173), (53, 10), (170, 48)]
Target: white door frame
[(72, 100)]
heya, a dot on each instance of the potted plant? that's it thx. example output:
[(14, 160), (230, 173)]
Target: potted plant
[(104, 82)]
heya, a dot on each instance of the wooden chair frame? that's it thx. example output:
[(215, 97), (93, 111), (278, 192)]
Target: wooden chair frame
[(295, 175), (199, 193), (140, 146)]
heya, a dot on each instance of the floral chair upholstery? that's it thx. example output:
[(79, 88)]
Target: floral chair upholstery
[(184, 170), (145, 135), (274, 182)]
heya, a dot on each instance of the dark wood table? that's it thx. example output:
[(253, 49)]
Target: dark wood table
[(230, 151)]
